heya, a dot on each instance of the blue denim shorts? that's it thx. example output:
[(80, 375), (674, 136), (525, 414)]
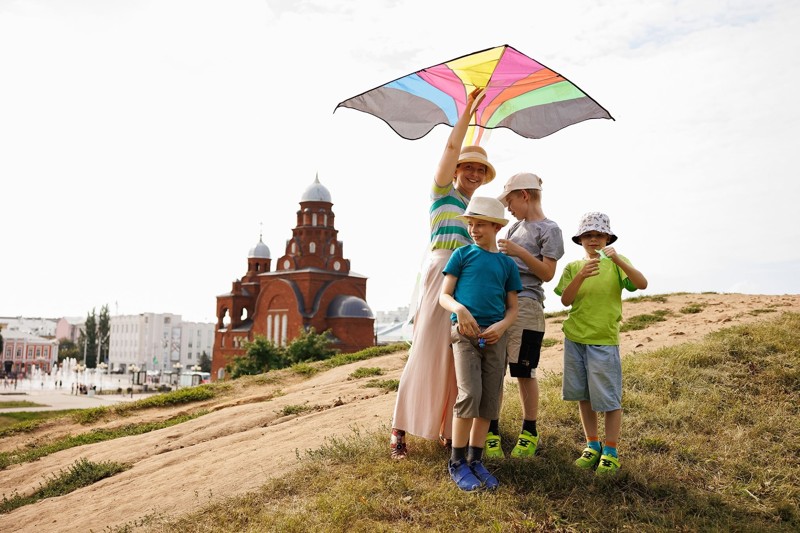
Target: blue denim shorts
[(592, 372)]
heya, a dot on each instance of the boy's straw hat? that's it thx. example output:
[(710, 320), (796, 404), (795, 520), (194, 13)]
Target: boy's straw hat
[(484, 208), (519, 182), (594, 222), (476, 154)]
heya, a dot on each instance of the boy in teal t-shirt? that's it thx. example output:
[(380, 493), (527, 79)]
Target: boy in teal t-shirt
[(592, 368), (480, 290)]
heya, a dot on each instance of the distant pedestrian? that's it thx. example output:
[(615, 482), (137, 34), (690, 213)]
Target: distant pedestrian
[(592, 367)]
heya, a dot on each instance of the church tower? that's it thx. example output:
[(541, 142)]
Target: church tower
[(312, 286)]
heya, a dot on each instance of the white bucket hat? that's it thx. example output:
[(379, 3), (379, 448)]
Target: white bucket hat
[(519, 182), (594, 221), (484, 208), (476, 154)]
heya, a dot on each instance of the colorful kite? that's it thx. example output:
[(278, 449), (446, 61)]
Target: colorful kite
[(520, 94)]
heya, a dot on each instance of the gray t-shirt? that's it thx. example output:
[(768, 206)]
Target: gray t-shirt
[(542, 238)]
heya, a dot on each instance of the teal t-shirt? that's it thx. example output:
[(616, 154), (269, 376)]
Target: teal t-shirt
[(484, 278), (596, 313)]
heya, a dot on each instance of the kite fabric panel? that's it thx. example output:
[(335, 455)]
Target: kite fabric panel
[(521, 94)]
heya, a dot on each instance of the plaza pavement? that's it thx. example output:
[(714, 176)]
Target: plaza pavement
[(52, 400)]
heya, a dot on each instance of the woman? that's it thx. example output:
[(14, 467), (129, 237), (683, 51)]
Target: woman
[(427, 390)]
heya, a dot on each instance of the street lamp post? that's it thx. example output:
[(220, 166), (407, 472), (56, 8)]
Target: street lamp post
[(177, 366), (134, 370)]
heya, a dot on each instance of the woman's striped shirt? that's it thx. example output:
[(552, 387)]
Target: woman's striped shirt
[(448, 233)]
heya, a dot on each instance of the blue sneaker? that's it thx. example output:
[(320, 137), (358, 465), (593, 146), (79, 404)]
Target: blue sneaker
[(462, 474), (487, 479)]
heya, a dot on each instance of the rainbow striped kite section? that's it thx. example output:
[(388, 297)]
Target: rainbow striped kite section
[(521, 94)]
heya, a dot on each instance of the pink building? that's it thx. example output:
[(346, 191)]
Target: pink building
[(24, 351)]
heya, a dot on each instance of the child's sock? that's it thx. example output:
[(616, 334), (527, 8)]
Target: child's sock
[(594, 443), (610, 448), (494, 427), (474, 454), (529, 426), (457, 454)]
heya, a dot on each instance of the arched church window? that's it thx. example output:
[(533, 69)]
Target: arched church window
[(333, 249), (314, 219), (312, 247)]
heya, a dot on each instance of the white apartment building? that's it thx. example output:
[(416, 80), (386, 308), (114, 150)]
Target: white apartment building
[(157, 342), (40, 327)]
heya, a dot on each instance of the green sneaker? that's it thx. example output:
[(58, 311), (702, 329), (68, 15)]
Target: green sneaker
[(588, 459), (608, 465), (526, 445), (492, 448)]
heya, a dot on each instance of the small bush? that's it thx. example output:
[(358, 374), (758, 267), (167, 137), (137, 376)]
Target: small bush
[(389, 385), (304, 369), (81, 474), (366, 372), (547, 343), (642, 321), (294, 410)]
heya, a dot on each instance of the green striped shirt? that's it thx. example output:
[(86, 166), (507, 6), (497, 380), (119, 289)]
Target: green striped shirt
[(447, 203)]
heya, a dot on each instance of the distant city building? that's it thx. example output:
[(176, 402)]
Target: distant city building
[(312, 286), (41, 327), (70, 328), (23, 351), (392, 326), (157, 342)]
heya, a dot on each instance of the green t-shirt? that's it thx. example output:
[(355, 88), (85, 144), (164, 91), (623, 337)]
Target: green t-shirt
[(596, 313)]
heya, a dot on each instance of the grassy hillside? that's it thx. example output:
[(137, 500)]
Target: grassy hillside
[(711, 440)]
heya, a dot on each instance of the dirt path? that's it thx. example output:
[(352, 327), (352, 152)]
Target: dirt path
[(245, 440)]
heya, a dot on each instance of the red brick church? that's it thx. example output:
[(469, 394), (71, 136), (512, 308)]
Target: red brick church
[(312, 286)]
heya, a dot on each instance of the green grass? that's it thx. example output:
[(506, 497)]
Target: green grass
[(367, 353), (658, 298), (692, 309), (389, 385), (19, 403), (32, 453), (642, 321), (365, 372), (710, 443), (178, 397), (27, 421), (294, 409), (304, 369), (81, 474), (548, 342)]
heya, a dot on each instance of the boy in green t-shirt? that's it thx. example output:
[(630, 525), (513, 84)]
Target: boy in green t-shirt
[(592, 369)]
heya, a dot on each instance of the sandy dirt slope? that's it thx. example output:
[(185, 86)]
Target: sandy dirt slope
[(244, 440)]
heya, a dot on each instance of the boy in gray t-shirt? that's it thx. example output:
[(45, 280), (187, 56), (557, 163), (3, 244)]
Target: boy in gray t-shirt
[(536, 244)]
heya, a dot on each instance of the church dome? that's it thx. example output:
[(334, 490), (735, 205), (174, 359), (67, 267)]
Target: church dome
[(316, 192), (349, 307), (260, 251)]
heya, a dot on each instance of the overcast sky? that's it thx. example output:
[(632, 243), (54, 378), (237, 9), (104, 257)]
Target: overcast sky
[(144, 143)]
